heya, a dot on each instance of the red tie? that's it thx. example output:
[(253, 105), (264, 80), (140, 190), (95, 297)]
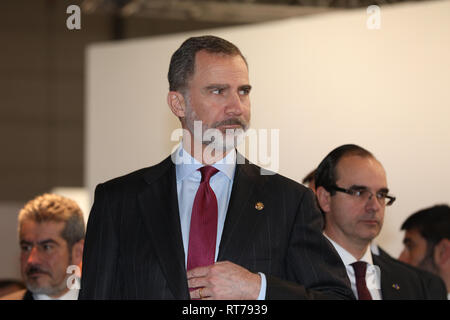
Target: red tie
[(360, 275), (203, 230)]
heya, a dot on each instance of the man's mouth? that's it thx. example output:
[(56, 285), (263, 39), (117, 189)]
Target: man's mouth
[(370, 221), (34, 272), (230, 124)]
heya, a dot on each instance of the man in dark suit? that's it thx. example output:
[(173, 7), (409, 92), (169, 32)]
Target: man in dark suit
[(352, 192), (247, 236)]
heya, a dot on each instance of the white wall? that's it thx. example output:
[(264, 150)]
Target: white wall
[(323, 80)]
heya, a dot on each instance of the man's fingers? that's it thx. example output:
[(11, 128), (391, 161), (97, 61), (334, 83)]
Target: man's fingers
[(201, 293), (197, 282), (198, 272)]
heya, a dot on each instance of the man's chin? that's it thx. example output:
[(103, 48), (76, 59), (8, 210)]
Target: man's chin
[(40, 285), (39, 288)]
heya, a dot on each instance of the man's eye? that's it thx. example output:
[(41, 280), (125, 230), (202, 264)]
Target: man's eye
[(47, 247), (25, 248), (357, 193), (244, 92), (217, 91), (381, 195)]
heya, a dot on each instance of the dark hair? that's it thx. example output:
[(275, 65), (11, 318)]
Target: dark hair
[(326, 174), (182, 63), (432, 223)]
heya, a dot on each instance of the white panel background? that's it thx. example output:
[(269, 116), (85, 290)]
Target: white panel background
[(323, 80)]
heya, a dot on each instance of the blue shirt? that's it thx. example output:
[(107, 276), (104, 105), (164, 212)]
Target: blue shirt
[(188, 180)]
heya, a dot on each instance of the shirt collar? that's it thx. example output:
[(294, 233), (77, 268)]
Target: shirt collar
[(347, 257), (185, 164), (69, 295)]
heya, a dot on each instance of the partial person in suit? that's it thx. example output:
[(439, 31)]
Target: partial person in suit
[(51, 238), (427, 241), (352, 191), (204, 223)]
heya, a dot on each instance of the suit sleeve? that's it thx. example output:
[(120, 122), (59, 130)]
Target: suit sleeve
[(99, 279), (314, 269)]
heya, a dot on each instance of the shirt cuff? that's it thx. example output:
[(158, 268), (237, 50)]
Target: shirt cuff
[(262, 291)]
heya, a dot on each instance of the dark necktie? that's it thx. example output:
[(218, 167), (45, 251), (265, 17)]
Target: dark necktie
[(360, 275), (203, 229)]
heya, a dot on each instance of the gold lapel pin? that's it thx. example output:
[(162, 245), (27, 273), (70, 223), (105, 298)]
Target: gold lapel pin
[(396, 286), (259, 206)]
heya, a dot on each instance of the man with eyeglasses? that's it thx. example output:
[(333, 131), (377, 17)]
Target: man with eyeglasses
[(352, 191)]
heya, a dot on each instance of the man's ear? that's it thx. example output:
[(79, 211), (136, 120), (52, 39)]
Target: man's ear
[(442, 254), (176, 103), (323, 197), (77, 252)]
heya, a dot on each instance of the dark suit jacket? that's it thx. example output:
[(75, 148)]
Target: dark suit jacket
[(134, 249), (399, 281), (434, 287)]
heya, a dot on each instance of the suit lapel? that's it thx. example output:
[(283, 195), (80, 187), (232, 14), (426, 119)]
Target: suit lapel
[(242, 217), (390, 288), (159, 207)]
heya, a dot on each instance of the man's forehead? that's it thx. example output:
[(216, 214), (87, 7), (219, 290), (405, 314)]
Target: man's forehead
[(363, 171), (37, 231), (208, 61)]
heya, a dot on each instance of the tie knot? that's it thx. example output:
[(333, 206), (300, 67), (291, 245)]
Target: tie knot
[(207, 172), (360, 269)]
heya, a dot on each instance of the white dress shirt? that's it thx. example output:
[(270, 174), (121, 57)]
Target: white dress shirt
[(72, 294), (188, 180), (373, 274)]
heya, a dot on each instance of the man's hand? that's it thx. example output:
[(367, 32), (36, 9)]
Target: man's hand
[(223, 281)]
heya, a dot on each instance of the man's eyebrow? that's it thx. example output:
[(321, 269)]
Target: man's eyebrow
[(358, 187), (245, 86), (47, 241), (217, 86)]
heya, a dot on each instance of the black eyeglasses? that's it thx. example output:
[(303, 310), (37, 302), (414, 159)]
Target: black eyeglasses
[(363, 194)]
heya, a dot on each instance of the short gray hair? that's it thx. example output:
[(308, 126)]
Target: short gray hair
[(55, 208)]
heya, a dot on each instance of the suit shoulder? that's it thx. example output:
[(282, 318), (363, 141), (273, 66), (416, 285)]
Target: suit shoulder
[(137, 177), (277, 179), (434, 285), (396, 267)]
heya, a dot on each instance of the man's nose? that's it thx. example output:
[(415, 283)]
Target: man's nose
[(234, 105), (373, 202), (34, 256)]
